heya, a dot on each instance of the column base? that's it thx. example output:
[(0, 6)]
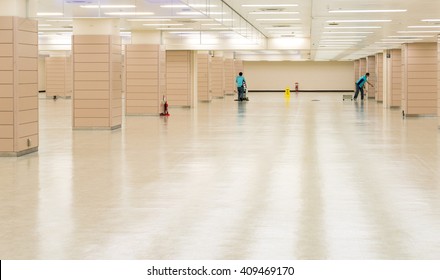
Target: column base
[(98, 127), (19, 154)]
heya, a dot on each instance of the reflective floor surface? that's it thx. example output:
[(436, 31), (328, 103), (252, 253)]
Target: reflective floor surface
[(310, 177)]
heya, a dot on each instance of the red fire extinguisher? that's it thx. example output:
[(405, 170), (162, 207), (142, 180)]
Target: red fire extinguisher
[(296, 87), (165, 107)]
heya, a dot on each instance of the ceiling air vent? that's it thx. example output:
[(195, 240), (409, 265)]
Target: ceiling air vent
[(271, 9), (287, 35), (282, 25), (185, 21)]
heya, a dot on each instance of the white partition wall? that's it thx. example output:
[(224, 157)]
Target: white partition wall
[(371, 68), (59, 76), (420, 79), (379, 78), (19, 130), (179, 78), (217, 78), (204, 77), (145, 76)]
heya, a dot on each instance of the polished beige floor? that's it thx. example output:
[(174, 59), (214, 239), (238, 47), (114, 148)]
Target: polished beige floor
[(268, 179)]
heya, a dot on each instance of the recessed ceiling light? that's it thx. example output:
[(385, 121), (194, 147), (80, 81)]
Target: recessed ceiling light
[(277, 19), (283, 28), (148, 19), (368, 11), (400, 39), (61, 20), (273, 13), (130, 13), (388, 43), (174, 28), (190, 5), (352, 27), (49, 14), (411, 36), (162, 24), (343, 37), (347, 32), (107, 6), (431, 20), (269, 5), (342, 40), (359, 20), (424, 26), (420, 31)]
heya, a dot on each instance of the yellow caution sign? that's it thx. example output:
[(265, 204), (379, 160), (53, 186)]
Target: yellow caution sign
[(287, 92)]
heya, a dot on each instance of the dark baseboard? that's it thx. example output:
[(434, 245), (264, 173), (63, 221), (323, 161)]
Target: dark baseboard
[(292, 91), (41, 91)]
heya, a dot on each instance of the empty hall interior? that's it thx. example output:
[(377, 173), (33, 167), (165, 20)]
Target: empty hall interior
[(121, 136)]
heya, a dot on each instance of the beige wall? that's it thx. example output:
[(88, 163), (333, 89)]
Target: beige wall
[(310, 75)]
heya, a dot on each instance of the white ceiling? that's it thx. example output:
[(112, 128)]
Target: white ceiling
[(308, 30)]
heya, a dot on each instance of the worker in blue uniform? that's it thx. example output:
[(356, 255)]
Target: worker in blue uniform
[(360, 86)]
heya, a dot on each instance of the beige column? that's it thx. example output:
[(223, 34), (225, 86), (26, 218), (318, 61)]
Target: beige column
[(362, 66), (379, 78), (356, 70), (217, 75), (420, 79), (180, 78), (438, 83), (19, 130), (238, 67), (204, 89), (145, 74), (58, 76), (393, 83), (371, 68), (97, 71), (229, 75)]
